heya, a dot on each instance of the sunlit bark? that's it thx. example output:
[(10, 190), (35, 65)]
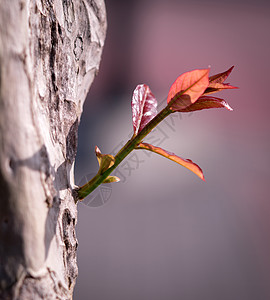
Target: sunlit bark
[(49, 55)]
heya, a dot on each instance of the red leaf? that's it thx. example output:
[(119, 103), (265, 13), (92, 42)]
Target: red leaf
[(220, 77), (206, 102), (187, 88), (144, 107), (216, 82), (187, 163)]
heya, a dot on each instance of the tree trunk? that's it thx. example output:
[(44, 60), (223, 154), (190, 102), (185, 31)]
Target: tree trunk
[(50, 52)]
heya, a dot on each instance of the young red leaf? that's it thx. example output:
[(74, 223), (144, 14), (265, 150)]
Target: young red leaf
[(187, 88), (187, 163), (144, 107), (206, 102), (216, 82), (220, 77)]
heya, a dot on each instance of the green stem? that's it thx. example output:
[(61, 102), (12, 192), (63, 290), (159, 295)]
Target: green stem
[(91, 185)]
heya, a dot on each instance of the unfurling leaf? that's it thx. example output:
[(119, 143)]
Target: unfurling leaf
[(206, 102), (144, 107), (187, 88), (110, 179), (187, 163), (216, 82), (105, 161)]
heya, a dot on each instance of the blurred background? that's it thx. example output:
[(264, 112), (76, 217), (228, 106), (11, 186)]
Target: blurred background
[(162, 233)]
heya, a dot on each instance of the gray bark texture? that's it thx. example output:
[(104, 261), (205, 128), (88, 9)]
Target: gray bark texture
[(50, 52)]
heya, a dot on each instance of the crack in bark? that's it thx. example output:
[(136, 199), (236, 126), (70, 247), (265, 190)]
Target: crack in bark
[(54, 44), (70, 242)]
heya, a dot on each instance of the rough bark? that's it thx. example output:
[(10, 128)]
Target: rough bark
[(50, 52)]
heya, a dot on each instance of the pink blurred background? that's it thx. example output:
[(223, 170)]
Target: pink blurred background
[(163, 233)]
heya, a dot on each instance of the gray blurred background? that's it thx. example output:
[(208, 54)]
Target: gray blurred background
[(162, 233)]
